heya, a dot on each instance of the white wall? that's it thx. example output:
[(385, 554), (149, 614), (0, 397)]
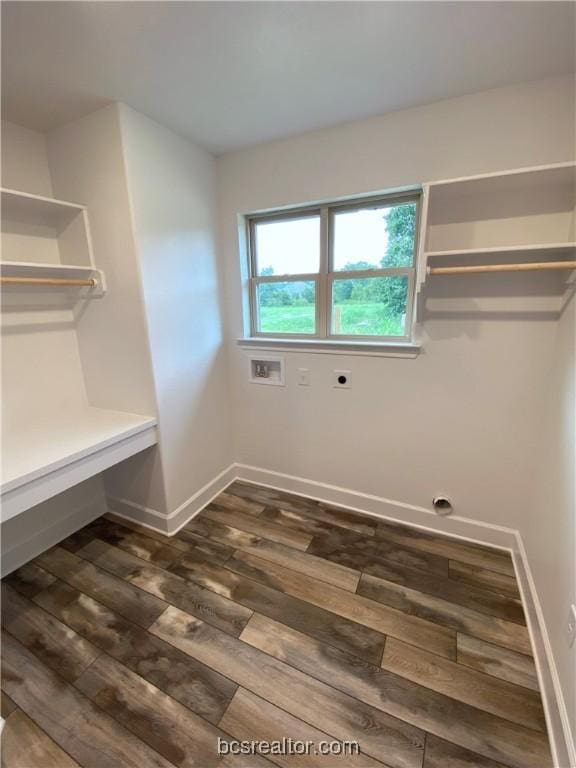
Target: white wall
[(35, 337), (465, 417), (550, 530), (171, 184), (24, 161), (88, 166), (460, 417)]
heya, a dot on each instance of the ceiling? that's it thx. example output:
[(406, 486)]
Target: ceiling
[(231, 75)]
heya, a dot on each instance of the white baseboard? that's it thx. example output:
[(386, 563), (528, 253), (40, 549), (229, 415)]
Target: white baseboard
[(196, 503), (42, 540), (378, 506), (363, 503), (171, 523), (557, 720), (138, 513)]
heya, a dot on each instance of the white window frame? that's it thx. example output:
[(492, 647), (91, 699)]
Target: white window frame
[(325, 277)]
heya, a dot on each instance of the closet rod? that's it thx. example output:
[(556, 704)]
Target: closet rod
[(47, 281), (477, 268)]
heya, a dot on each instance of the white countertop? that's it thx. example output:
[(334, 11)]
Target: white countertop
[(54, 441)]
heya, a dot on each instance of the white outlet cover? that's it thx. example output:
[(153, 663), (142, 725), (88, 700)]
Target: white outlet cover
[(304, 377), (344, 385)]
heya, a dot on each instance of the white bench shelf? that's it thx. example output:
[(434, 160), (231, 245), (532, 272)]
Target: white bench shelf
[(57, 451)]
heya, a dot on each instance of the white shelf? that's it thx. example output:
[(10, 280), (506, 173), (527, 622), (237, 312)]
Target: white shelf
[(43, 230), (493, 213), (546, 249), (34, 209), (39, 269), (514, 179), (60, 450), (66, 271), (525, 214)]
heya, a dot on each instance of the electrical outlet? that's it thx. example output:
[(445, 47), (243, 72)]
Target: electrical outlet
[(304, 377), (342, 379), (571, 626)]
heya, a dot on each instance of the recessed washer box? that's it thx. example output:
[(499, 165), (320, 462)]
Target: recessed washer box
[(267, 369)]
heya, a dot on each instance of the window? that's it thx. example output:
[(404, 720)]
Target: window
[(344, 271)]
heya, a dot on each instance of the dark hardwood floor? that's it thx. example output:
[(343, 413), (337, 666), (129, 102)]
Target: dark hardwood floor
[(269, 616)]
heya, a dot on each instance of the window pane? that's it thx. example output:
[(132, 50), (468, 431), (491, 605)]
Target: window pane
[(288, 246), (288, 307), (370, 306), (375, 237)]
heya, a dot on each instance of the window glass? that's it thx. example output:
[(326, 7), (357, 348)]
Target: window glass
[(375, 237), (358, 281), (287, 246), (287, 307), (369, 306)]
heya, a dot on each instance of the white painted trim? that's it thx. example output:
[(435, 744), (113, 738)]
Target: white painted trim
[(504, 250), (567, 164), (196, 503), (42, 540), (365, 504), (138, 513), (330, 347), (383, 508), (557, 720), (172, 522)]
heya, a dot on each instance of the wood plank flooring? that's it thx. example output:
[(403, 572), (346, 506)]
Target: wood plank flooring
[(268, 617)]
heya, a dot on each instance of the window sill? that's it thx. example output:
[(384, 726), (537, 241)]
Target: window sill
[(324, 346)]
